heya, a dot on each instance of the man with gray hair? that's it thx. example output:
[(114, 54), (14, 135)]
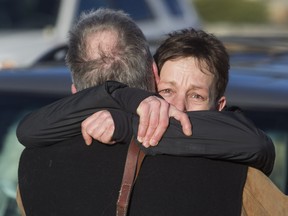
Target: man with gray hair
[(108, 45), (103, 45)]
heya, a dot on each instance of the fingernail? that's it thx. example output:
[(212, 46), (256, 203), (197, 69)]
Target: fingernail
[(140, 139), (145, 144), (153, 142)]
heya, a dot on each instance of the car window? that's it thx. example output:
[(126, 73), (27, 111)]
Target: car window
[(28, 14), (139, 10), (279, 174), (174, 8), (13, 107), (274, 123)]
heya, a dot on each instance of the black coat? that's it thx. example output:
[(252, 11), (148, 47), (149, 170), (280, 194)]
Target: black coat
[(71, 178)]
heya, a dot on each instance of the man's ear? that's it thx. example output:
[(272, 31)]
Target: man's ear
[(73, 89), (155, 72), (221, 103)]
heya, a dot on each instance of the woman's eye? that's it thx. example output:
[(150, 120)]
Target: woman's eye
[(197, 97), (165, 92)]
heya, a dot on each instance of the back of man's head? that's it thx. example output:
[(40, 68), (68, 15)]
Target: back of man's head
[(108, 45)]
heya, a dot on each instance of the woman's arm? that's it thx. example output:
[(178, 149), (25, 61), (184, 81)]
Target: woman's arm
[(216, 135), (62, 119)]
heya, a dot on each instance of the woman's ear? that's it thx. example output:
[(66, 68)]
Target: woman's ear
[(73, 89), (221, 103)]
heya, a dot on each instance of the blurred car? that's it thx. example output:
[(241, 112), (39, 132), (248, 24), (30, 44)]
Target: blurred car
[(30, 28), (22, 91), (259, 85), (260, 88), (261, 91)]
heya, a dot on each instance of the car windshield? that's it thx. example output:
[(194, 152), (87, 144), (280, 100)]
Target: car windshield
[(28, 14), (37, 14), (139, 10), (274, 123)]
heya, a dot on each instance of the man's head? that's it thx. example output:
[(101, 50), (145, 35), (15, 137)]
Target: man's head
[(108, 45), (182, 55)]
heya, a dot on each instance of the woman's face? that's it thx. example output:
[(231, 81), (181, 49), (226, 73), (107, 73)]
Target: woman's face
[(185, 86)]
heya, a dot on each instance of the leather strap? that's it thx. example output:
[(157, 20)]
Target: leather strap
[(132, 166)]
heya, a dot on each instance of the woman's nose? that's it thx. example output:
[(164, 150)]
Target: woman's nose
[(180, 104)]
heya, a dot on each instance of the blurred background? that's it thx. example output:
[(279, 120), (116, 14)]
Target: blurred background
[(29, 29), (33, 37), (244, 17), (265, 21)]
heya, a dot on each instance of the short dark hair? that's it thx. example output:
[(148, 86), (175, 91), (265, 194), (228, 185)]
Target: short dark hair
[(129, 61), (205, 48)]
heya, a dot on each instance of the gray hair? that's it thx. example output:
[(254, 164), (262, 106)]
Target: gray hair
[(127, 60)]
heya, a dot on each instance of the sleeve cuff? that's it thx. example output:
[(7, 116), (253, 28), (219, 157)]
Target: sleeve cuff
[(123, 129)]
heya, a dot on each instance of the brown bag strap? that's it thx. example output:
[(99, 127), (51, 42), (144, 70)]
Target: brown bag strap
[(132, 166)]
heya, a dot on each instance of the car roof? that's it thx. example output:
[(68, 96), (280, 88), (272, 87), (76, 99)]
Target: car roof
[(259, 73), (36, 80), (249, 87)]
